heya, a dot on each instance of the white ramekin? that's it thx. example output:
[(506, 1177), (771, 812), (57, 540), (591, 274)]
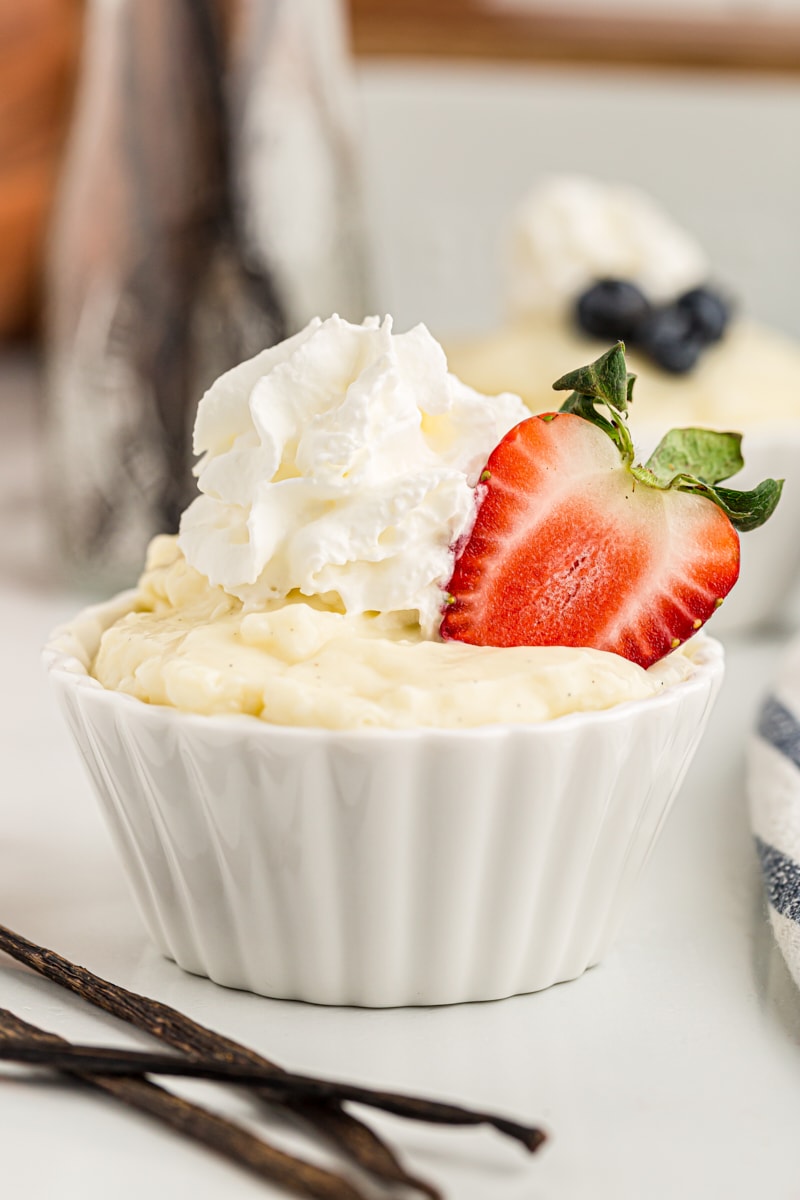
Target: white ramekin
[(379, 867)]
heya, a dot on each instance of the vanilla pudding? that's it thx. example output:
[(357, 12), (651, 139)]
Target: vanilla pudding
[(300, 661)]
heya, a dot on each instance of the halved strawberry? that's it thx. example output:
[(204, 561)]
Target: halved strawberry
[(573, 545)]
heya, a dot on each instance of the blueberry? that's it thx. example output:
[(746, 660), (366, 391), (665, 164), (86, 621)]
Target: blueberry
[(708, 312), (668, 336), (611, 309)]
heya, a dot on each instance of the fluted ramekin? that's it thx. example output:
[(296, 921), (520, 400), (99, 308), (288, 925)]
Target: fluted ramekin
[(375, 867)]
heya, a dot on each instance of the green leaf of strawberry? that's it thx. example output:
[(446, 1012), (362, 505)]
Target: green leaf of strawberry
[(573, 545), (606, 379), (745, 510), (702, 452), (694, 460)]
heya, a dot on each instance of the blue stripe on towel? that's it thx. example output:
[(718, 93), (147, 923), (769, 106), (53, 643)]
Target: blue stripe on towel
[(781, 879), (778, 726)]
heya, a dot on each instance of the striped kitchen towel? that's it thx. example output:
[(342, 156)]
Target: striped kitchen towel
[(774, 796)]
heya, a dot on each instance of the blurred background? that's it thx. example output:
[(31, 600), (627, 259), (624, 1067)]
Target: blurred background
[(184, 183)]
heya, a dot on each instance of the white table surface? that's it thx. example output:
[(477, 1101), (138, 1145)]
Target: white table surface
[(670, 1071)]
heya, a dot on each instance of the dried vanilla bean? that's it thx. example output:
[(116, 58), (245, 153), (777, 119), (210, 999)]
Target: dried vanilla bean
[(215, 1132), (343, 1130), (131, 1063)]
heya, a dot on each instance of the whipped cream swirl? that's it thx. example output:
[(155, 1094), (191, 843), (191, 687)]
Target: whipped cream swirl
[(342, 461), (571, 231)]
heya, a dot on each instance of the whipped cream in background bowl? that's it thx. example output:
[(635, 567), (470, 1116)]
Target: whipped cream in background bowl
[(313, 795), (573, 230)]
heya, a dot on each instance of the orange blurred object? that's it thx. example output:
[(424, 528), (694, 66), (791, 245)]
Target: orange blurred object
[(39, 51)]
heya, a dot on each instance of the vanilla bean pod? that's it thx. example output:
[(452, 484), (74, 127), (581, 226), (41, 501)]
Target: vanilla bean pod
[(131, 1063), (347, 1133), (215, 1132)]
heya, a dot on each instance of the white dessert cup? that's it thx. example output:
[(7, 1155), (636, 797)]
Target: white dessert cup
[(380, 868)]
